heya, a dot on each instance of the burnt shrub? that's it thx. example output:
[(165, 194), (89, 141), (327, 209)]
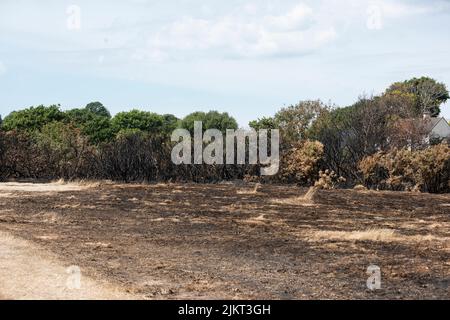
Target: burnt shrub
[(426, 170), (301, 163)]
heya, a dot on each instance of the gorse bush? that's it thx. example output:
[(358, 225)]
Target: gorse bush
[(301, 163), (426, 170)]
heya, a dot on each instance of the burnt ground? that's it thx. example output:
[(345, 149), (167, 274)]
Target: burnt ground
[(219, 241)]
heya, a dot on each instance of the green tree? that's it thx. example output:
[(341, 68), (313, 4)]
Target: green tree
[(98, 109), (138, 120), (210, 120), (293, 121), (33, 118), (96, 126), (263, 123), (78, 116), (170, 123), (428, 93), (98, 129)]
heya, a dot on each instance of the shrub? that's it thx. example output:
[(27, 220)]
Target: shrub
[(300, 164), (21, 158), (64, 148), (135, 156), (427, 170)]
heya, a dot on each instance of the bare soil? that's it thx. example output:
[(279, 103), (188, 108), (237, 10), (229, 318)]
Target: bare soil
[(174, 241), (28, 272)]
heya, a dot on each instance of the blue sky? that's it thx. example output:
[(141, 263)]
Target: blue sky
[(248, 58)]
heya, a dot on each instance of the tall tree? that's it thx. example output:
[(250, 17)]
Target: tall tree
[(293, 121), (170, 123), (263, 123), (351, 133), (95, 125), (429, 94), (98, 109), (138, 120), (210, 120)]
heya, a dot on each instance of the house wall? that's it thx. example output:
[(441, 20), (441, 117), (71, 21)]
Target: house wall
[(442, 129)]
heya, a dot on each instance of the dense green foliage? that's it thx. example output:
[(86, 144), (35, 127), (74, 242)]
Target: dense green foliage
[(428, 94), (98, 109), (138, 120), (94, 124), (33, 118), (210, 120), (293, 121)]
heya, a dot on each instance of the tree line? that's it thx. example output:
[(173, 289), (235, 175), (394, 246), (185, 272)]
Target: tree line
[(378, 141)]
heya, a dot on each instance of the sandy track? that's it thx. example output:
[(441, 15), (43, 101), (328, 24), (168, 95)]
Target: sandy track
[(28, 272), (41, 187)]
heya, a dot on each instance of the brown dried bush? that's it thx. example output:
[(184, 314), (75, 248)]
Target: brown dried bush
[(328, 180), (300, 164), (426, 170)]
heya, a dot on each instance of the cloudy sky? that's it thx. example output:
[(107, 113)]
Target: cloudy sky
[(248, 58)]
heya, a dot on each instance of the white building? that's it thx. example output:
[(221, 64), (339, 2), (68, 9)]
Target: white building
[(438, 128)]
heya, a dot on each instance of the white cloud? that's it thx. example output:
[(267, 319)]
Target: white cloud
[(243, 35), (260, 31), (299, 17), (147, 31)]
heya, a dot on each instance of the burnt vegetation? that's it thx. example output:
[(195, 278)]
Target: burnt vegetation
[(380, 142)]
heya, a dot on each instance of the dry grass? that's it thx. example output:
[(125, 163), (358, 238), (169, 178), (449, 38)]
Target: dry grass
[(56, 186), (82, 183), (360, 187), (261, 219), (305, 200), (377, 235), (296, 201), (253, 191), (310, 195), (385, 235), (49, 217)]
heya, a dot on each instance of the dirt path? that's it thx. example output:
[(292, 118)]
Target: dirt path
[(28, 272)]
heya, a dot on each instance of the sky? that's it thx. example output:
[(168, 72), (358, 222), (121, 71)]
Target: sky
[(247, 58)]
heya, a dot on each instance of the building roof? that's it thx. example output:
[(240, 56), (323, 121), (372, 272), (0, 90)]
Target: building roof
[(427, 124), (432, 122)]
